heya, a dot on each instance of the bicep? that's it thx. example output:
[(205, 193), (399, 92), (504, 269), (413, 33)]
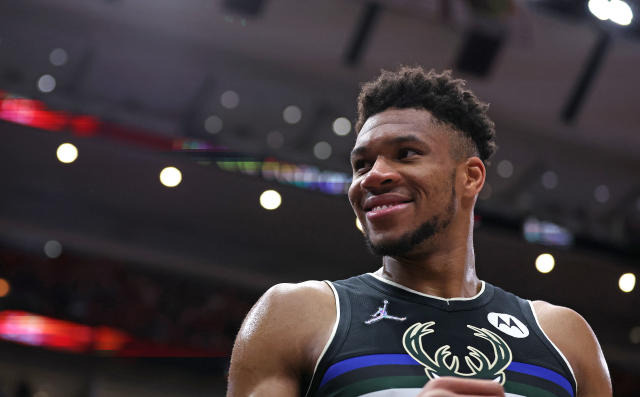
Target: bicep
[(577, 341), (594, 379), (246, 381), (255, 371)]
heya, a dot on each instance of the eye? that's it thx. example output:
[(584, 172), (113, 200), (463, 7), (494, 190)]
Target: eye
[(359, 165), (406, 152)]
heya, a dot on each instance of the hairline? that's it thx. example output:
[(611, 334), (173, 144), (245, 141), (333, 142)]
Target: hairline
[(457, 150)]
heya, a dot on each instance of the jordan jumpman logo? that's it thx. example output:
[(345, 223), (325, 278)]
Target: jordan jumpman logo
[(381, 314)]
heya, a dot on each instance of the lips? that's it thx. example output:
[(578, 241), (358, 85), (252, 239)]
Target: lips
[(379, 208), (383, 211), (384, 205), (384, 201)]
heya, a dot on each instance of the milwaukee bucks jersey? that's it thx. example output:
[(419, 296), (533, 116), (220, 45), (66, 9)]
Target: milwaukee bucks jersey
[(390, 340)]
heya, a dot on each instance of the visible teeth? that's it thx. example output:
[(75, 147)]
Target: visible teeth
[(380, 207)]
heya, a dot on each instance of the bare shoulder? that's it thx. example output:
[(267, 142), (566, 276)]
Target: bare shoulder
[(571, 333), (281, 338), (291, 310)]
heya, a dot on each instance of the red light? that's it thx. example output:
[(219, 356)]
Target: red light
[(35, 330), (36, 114), (109, 339), (84, 125), (32, 113), (31, 329)]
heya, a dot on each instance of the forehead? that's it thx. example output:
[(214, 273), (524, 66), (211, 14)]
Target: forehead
[(393, 123)]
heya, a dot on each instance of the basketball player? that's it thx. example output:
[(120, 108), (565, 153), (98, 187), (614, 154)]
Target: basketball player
[(423, 324)]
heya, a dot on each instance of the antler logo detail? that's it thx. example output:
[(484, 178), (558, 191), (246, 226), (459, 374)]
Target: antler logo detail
[(481, 367)]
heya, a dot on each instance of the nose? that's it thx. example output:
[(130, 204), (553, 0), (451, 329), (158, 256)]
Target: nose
[(381, 175)]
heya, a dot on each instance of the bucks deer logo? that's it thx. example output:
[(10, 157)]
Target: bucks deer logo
[(445, 364)]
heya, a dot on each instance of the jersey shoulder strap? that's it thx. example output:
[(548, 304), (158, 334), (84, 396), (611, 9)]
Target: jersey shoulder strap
[(342, 291)]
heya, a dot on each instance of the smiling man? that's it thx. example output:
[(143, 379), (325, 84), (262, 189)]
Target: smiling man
[(423, 324)]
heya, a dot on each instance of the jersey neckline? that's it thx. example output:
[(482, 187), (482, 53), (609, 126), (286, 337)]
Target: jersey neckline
[(451, 304)]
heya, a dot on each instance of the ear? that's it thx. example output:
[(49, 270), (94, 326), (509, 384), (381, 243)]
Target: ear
[(474, 173)]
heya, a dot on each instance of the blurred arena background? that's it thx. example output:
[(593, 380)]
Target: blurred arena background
[(120, 279)]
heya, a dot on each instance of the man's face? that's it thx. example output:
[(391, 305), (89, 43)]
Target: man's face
[(403, 188)]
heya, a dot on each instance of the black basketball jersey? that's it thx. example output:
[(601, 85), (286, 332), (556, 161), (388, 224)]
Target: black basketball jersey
[(390, 340)]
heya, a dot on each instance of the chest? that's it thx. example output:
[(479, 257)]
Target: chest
[(391, 347)]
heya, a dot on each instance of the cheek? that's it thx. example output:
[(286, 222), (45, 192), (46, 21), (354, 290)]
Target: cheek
[(353, 195)]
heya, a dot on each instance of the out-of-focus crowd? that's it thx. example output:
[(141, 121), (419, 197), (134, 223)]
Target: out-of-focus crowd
[(164, 308)]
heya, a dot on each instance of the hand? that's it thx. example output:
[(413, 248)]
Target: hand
[(448, 386)]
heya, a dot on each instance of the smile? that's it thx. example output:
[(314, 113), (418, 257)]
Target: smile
[(385, 210)]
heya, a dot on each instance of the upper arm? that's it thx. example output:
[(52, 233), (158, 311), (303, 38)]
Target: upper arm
[(576, 340), (280, 339)]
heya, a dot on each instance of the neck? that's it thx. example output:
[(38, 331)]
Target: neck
[(447, 272)]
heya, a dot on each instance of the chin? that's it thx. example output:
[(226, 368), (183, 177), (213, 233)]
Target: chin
[(386, 244), (390, 246), (386, 238)]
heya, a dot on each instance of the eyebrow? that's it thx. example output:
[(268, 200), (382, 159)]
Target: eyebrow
[(394, 141)]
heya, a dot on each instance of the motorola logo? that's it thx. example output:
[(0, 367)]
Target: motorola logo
[(508, 324)]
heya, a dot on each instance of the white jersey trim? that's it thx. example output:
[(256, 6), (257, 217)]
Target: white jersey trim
[(404, 392), (333, 334), (410, 392), (575, 381), (384, 280)]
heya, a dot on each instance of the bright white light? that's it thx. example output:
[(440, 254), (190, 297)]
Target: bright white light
[(545, 263), (620, 12), (170, 176), (341, 126), (322, 150), (616, 10), (292, 114), (270, 200), (213, 124), (275, 139), (601, 194), (52, 249), (58, 57), (627, 282), (230, 99), (67, 153), (46, 83), (550, 180), (505, 168), (359, 225), (600, 8)]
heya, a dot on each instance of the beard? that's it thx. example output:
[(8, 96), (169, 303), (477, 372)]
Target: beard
[(427, 231)]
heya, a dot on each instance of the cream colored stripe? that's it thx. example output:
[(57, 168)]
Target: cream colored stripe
[(409, 393), (384, 280), (333, 333)]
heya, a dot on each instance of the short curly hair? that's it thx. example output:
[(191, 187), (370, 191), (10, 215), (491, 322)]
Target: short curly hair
[(442, 95)]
